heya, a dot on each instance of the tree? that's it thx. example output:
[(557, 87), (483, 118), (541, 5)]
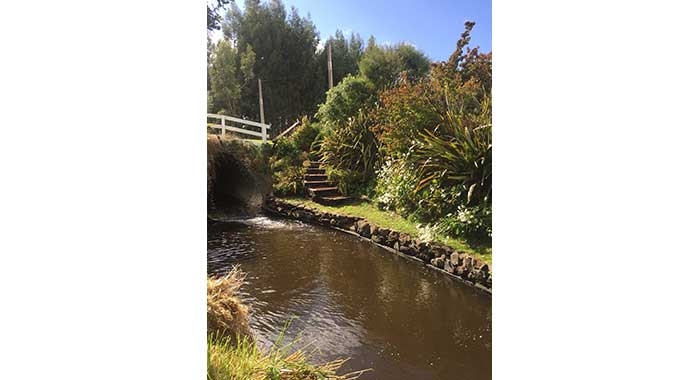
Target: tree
[(229, 73), (382, 65), (346, 56), (346, 99), (213, 18), (287, 63)]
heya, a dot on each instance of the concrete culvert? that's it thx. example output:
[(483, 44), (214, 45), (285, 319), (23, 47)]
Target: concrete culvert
[(237, 177)]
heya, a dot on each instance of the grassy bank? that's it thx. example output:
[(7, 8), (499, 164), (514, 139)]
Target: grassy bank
[(390, 220), (232, 353), (241, 359)]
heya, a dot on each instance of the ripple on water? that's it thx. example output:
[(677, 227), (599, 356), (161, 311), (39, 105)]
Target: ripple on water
[(349, 299)]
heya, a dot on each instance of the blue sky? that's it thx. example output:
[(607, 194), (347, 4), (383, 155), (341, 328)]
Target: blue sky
[(432, 26)]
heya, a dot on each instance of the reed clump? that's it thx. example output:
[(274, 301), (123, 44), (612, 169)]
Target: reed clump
[(226, 315), (231, 350), (241, 359)]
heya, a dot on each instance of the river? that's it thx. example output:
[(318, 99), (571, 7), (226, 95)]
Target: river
[(348, 298)]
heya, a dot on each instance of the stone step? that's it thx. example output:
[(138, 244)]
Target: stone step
[(324, 191), (314, 164), (315, 177), (316, 184), (315, 171)]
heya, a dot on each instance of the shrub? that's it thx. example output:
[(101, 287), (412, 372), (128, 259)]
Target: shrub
[(396, 182), (349, 182), (288, 180), (382, 65), (402, 113), (286, 164), (346, 99), (458, 153), (305, 134), (350, 150), (473, 223), (285, 148), (436, 136)]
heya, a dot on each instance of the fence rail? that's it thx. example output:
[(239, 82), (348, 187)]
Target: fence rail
[(296, 124), (221, 124)]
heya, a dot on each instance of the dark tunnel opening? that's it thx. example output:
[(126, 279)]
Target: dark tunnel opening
[(234, 189)]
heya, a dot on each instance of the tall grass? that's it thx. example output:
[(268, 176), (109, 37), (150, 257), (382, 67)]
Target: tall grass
[(231, 350), (242, 359), (226, 315)]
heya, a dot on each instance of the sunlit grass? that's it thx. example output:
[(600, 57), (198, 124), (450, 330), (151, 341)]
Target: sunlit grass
[(232, 353), (393, 221), (226, 315)]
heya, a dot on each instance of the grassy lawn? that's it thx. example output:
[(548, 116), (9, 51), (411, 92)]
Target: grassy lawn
[(391, 220)]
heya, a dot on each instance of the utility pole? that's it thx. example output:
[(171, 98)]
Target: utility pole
[(330, 64), (262, 110)]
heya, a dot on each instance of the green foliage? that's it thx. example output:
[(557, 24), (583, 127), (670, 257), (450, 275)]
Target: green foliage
[(396, 182), (435, 135), (346, 99), (404, 111), (349, 182), (213, 18), (413, 107), (346, 56), (242, 359), (390, 220), (253, 156), (472, 65), (305, 134), (382, 65), (287, 171), (458, 153), (468, 222), (350, 151), (230, 72), (287, 63), (288, 156)]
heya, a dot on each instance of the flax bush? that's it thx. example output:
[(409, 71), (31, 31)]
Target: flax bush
[(349, 151)]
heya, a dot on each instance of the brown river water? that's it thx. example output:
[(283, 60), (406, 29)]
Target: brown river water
[(347, 298)]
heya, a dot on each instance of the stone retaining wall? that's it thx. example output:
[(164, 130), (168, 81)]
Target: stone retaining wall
[(438, 256)]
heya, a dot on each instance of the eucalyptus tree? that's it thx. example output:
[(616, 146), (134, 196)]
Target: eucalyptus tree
[(230, 73), (346, 56), (286, 60)]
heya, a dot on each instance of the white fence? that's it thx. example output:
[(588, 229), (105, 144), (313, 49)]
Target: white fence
[(221, 124)]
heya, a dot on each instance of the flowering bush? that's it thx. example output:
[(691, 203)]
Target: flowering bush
[(395, 184), (468, 222)]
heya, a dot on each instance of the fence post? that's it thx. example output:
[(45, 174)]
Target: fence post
[(223, 126), (264, 134)]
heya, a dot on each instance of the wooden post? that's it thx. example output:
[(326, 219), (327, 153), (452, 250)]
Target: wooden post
[(330, 64), (223, 126), (262, 109)]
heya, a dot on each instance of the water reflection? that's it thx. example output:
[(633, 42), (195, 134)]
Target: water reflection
[(356, 300)]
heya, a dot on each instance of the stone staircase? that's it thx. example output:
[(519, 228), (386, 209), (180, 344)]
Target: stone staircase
[(319, 188)]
